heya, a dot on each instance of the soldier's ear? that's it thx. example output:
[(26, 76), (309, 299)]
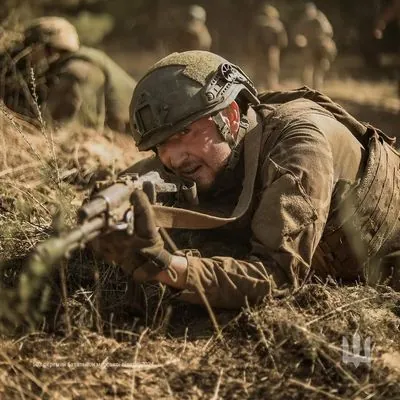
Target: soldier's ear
[(232, 112)]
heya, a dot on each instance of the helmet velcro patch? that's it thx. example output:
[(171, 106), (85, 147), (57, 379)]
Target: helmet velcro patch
[(198, 64)]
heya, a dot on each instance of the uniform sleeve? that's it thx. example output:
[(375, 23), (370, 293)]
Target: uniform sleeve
[(326, 26), (206, 40), (286, 227), (282, 37)]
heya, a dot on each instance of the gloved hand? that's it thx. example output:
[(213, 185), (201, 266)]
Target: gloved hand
[(142, 254)]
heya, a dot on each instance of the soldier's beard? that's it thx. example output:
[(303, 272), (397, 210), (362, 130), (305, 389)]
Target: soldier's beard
[(203, 183), (205, 186)]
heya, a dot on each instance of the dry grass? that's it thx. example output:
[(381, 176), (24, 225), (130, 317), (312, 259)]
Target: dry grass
[(40, 174), (285, 349), (104, 340)]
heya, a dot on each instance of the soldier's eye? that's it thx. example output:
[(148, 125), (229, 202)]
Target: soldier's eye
[(185, 131)]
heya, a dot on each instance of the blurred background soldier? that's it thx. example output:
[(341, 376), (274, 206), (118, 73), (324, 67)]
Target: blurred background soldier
[(50, 71), (189, 31), (390, 13), (267, 37), (313, 33)]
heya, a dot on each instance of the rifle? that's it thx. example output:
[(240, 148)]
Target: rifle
[(109, 209)]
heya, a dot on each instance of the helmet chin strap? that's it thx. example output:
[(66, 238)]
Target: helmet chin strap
[(235, 144), (224, 129)]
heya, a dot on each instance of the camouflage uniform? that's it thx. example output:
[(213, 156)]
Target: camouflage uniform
[(314, 190), (190, 31), (90, 88), (80, 85), (267, 37), (314, 34)]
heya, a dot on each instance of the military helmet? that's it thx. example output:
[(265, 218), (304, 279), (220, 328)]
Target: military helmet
[(197, 12), (310, 8), (269, 11), (56, 32), (182, 88)]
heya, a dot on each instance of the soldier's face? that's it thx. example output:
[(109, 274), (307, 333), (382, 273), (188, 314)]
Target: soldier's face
[(199, 153)]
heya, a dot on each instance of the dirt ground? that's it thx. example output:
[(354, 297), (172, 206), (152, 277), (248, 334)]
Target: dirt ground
[(98, 345)]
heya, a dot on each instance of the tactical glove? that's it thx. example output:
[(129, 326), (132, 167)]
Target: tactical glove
[(142, 254)]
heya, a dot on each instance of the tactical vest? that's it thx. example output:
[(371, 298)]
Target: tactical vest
[(357, 128), (356, 232)]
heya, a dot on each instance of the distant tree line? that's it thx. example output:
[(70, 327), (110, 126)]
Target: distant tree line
[(228, 20)]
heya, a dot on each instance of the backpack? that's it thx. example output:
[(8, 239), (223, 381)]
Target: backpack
[(360, 130)]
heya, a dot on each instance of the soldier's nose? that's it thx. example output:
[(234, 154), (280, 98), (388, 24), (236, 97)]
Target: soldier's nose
[(178, 159)]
